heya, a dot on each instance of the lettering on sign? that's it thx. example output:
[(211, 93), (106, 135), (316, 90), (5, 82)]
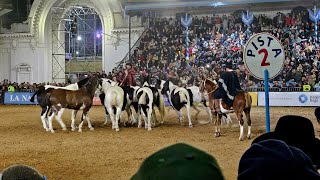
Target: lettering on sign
[(18, 98), (263, 51)]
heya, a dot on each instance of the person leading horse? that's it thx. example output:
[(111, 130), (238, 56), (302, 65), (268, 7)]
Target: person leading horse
[(229, 86)]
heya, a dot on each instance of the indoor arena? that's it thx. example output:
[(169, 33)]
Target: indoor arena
[(159, 89)]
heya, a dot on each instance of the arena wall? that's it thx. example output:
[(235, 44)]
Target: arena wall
[(33, 49)]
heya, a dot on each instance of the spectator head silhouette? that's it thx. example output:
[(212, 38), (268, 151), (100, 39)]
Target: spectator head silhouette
[(274, 159), (296, 131), (179, 161), (317, 114), (21, 172)]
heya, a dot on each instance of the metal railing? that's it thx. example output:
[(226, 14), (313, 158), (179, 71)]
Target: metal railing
[(283, 89), (126, 57)]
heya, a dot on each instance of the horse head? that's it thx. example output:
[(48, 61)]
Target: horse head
[(209, 86), (146, 79), (83, 82), (92, 84), (158, 84), (164, 87)]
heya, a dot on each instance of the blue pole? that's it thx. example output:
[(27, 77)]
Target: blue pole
[(316, 33), (187, 43), (266, 91)]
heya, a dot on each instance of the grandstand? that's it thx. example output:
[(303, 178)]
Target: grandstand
[(157, 42), (128, 42)]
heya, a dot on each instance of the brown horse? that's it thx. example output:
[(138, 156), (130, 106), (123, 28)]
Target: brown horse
[(241, 103), (80, 99)]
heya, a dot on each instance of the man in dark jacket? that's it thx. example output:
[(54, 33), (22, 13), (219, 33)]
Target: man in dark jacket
[(229, 86)]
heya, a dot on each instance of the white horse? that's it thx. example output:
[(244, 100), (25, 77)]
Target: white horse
[(197, 99), (130, 93), (114, 98), (178, 97)]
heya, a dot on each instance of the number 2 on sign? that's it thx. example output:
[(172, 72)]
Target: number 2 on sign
[(264, 63)]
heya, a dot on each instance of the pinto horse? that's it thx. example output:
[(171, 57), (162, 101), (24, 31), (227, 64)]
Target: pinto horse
[(81, 99), (178, 97), (41, 97), (148, 98), (241, 103)]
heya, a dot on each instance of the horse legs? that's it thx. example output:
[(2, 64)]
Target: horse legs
[(118, 113), (88, 120), (58, 117), (240, 119), (208, 109), (44, 119), (112, 116), (50, 118), (73, 118), (180, 116), (139, 116), (218, 125), (81, 122), (226, 119), (195, 107), (154, 118), (247, 113), (210, 114), (188, 114), (149, 116)]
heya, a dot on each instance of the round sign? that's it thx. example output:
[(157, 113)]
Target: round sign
[(263, 51)]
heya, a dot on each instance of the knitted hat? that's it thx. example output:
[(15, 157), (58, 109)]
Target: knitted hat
[(296, 131), (274, 159), (21, 172), (179, 161)]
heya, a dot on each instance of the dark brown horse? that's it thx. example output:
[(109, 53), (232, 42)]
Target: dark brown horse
[(81, 99), (241, 103)]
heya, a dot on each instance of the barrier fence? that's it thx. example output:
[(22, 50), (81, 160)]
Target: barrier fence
[(258, 98)]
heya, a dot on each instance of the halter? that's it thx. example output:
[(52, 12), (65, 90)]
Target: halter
[(204, 84)]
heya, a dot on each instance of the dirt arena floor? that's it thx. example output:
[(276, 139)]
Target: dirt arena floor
[(109, 155)]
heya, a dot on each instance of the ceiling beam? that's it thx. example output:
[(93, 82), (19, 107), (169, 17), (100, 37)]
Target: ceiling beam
[(205, 3)]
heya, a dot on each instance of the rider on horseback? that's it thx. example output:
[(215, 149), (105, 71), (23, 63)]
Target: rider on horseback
[(229, 86)]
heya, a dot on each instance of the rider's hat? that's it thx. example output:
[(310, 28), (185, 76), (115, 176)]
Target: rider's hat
[(229, 64)]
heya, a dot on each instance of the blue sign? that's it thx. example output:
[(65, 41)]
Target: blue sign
[(303, 98), (18, 98)]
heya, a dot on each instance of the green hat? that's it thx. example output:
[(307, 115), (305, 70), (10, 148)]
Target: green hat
[(179, 161), (19, 172)]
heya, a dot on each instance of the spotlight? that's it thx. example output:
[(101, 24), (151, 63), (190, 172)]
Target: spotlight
[(79, 38)]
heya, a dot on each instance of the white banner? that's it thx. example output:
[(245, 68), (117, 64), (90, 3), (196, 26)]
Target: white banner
[(290, 99)]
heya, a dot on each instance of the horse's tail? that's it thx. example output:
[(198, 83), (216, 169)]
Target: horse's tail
[(161, 107), (248, 100), (143, 98), (40, 90)]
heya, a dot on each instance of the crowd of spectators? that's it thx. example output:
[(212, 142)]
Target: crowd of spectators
[(213, 41)]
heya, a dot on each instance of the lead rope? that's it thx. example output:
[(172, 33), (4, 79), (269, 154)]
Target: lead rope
[(125, 77)]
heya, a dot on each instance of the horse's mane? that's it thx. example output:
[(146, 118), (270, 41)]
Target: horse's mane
[(213, 82), (83, 82), (91, 87)]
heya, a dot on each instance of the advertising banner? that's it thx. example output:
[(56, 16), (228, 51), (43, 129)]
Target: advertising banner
[(290, 99), (254, 96), (18, 98)]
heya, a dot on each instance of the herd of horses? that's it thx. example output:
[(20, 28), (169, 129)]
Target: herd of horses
[(143, 100)]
